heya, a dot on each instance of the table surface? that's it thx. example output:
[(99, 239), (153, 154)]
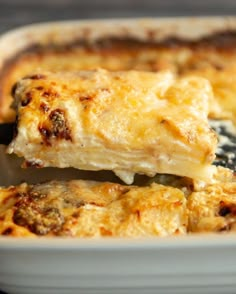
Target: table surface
[(15, 13)]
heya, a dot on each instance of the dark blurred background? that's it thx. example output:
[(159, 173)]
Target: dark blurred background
[(14, 13)]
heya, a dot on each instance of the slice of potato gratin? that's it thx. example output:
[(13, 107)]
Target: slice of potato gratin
[(127, 122), (91, 209)]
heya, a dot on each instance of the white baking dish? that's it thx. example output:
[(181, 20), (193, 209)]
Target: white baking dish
[(199, 264), (192, 264)]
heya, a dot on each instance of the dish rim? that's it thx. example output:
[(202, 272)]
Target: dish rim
[(109, 243), (164, 26)]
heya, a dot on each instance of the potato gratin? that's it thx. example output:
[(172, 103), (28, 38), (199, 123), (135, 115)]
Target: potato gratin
[(128, 122), (85, 209), (127, 106)]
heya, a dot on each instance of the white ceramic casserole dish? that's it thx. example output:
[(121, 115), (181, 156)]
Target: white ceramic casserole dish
[(193, 264)]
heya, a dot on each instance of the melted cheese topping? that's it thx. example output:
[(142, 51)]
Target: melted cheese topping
[(81, 208), (91, 209), (213, 58), (128, 122)]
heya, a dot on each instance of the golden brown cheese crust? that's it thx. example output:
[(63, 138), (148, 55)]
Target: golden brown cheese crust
[(127, 122), (80, 208), (44, 210), (215, 53), (91, 209)]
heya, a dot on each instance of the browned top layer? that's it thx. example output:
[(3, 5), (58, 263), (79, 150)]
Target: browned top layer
[(91, 209), (99, 209), (216, 53)]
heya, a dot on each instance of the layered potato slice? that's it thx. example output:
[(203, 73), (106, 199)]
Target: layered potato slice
[(91, 209), (128, 122)]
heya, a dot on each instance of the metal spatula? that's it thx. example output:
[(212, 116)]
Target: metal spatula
[(226, 151)]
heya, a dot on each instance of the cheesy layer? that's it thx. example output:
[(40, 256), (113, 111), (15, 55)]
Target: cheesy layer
[(128, 122), (91, 209), (81, 208), (213, 56)]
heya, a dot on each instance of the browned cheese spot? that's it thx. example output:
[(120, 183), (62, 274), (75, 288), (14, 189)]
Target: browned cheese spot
[(44, 107), (227, 209), (46, 135), (26, 99), (85, 98), (73, 202), (50, 94), (104, 232), (38, 216), (138, 214), (55, 127), (59, 124), (39, 88), (76, 214), (7, 231)]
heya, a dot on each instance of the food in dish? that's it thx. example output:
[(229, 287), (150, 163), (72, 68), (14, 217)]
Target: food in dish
[(213, 209), (212, 56), (82, 208), (92, 209), (128, 122), (70, 112)]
